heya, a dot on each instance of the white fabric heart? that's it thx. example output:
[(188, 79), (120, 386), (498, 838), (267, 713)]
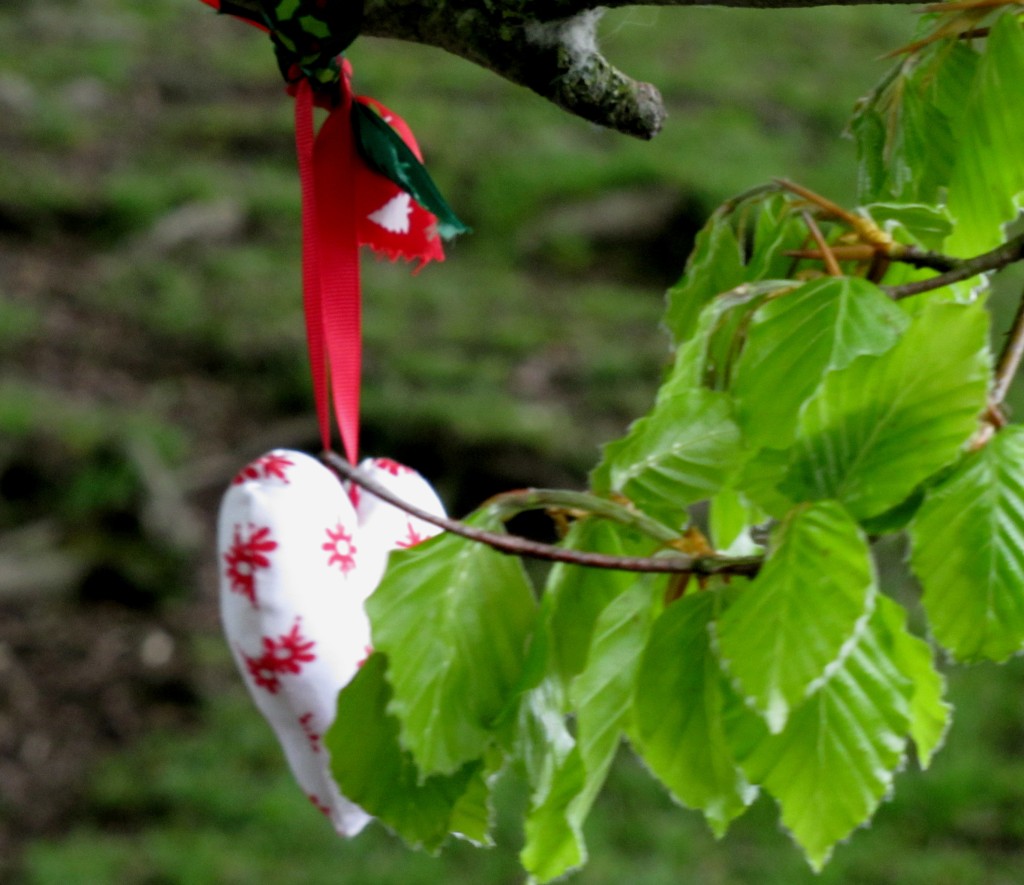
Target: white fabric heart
[(299, 556)]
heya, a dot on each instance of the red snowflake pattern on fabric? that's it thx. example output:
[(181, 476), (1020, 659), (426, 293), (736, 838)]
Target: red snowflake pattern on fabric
[(341, 547), (306, 721), (392, 467), (354, 494), (271, 466), (412, 537), (263, 672), (289, 651), (320, 806), (286, 654), (246, 556)]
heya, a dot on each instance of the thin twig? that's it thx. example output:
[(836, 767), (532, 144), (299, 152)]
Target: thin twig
[(509, 504), (923, 258), (517, 546), (864, 227), (831, 265), (1009, 359), (998, 258), (896, 252)]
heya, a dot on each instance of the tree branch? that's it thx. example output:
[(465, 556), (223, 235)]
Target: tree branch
[(549, 46), (1009, 359), (671, 563), (963, 269), (559, 60)]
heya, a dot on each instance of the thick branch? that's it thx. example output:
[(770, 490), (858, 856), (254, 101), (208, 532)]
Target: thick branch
[(549, 46), (559, 60)]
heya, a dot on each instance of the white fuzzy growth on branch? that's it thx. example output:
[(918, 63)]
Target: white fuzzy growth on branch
[(576, 35)]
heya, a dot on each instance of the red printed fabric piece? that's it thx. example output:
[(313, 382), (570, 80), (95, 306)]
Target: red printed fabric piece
[(264, 673), (392, 467), (319, 804), (340, 548), (286, 654), (247, 555), (271, 466), (290, 651), (391, 222), (306, 721), (290, 538), (412, 537)]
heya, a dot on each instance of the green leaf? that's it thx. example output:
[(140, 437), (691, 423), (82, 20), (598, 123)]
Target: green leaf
[(680, 696), (543, 743), (681, 452), (371, 768), (574, 597), (574, 607), (707, 357), (602, 698), (472, 818), (930, 715), (906, 131), (968, 552), (834, 762), (927, 226), (454, 618), (794, 340), (554, 828), (730, 519), (876, 429), (715, 265), (922, 156), (868, 130), (759, 481), (602, 694), (895, 519), (777, 230), (987, 183), (801, 614)]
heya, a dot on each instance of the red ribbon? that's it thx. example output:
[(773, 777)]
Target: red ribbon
[(328, 166), (345, 204), (330, 273)]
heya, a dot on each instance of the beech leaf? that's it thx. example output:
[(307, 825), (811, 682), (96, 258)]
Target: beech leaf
[(968, 552), (679, 729), (799, 617), (835, 760), (879, 427), (454, 618)]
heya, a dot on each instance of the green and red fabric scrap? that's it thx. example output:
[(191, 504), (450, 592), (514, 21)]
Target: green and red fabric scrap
[(363, 183)]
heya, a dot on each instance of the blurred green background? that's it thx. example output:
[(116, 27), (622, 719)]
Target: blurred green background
[(152, 342)]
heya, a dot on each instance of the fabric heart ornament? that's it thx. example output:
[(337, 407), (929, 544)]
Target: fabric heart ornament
[(299, 555)]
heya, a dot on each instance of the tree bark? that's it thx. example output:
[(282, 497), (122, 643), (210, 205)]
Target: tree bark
[(549, 46)]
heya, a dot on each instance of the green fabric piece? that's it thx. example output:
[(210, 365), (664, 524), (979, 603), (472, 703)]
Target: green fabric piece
[(308, 35), (385, 152)]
